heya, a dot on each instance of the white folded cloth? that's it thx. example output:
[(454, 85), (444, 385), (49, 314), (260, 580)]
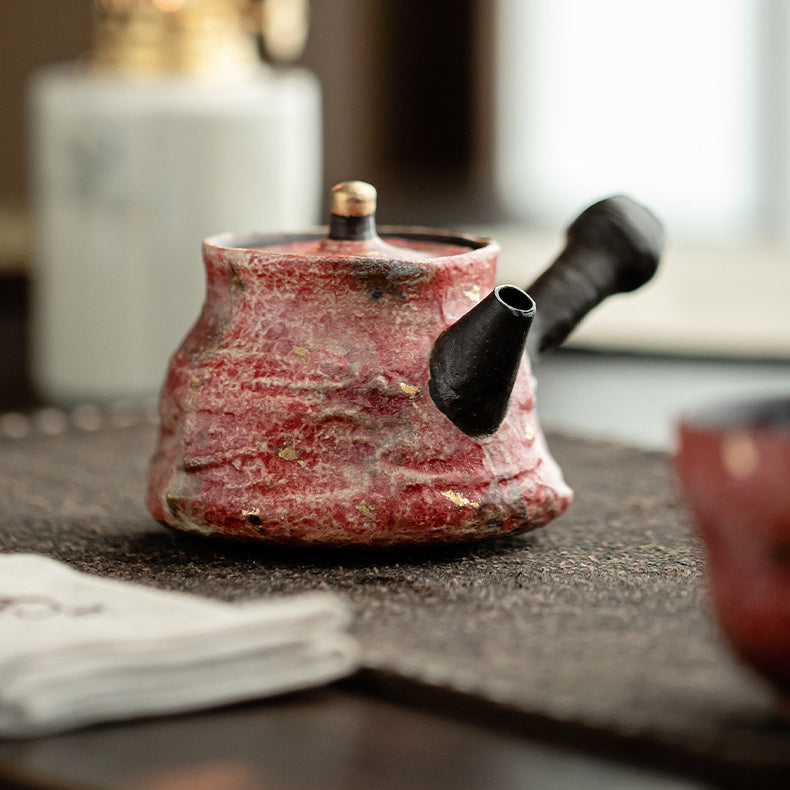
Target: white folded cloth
[(77, 649)]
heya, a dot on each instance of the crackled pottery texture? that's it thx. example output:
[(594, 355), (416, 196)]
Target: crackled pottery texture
[(297, 409)]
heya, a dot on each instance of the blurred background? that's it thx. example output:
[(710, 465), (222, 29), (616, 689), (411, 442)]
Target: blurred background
[(502, 116)]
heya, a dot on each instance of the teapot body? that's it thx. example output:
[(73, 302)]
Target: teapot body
[(297, 409)]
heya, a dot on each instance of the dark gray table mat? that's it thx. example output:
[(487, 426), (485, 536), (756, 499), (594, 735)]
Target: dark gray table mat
[(599, 621)]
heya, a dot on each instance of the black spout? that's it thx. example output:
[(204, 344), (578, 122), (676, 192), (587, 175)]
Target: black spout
[(474, 362)]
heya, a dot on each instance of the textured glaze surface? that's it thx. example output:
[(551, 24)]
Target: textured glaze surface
[(735, 479), (297, 408)]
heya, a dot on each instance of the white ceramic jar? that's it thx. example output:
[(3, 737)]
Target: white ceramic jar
[(129, 174)]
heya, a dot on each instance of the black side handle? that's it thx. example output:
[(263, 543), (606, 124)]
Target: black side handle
[(612, 247)]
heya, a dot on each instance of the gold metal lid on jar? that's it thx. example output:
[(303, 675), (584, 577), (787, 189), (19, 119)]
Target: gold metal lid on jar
[(205, 37)]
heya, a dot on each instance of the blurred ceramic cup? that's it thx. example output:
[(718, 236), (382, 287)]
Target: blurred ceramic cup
[(733, 465)]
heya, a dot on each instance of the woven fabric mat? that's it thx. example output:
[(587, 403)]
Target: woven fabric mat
[(599, 621)]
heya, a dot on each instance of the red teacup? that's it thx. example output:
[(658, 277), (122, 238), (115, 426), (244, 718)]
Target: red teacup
[(734, 469)]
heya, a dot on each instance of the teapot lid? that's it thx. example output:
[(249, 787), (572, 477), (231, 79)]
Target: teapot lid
[(353, 232)]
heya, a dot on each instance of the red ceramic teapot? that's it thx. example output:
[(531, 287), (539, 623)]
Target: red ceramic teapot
[(371, 387)]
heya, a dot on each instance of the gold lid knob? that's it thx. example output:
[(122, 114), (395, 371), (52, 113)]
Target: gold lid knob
[(353, 199)]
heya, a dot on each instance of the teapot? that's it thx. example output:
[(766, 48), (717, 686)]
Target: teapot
[(370, 386)]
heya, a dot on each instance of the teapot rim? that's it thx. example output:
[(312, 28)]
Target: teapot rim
[(256, 241)]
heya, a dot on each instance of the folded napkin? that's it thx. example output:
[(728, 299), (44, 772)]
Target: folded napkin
[(77, 649)]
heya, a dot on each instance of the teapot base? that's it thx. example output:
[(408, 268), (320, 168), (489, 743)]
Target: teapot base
[(426, 517), (375, 541)]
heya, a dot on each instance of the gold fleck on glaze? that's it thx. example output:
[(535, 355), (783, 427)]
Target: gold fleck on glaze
[(529, 431), (189, 524), (289, 453), (739, 455), (251, 512), (366, 509), (459, 500), (172, 504), (195, 383), (301, 352), (412, 390), (473, 292), (236, 283)]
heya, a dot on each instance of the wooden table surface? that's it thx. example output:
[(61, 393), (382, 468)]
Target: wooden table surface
[(332, 738)]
